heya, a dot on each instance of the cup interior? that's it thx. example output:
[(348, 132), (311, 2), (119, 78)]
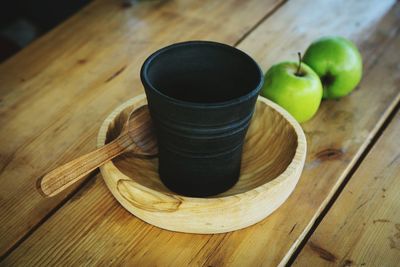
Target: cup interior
[(202, 72)]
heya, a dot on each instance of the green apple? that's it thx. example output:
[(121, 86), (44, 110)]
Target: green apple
[(295, 87), (337, 62)]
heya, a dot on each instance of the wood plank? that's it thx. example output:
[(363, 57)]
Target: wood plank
[(363, 226), (55, 93), (93, 229)]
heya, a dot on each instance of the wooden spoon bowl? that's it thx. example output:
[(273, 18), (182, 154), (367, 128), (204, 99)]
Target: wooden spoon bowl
[(273, 158)]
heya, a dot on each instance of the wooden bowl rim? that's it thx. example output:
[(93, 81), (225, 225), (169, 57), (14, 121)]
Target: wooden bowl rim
[(296, 163)]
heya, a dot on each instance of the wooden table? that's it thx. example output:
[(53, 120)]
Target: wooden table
[(56, 92)]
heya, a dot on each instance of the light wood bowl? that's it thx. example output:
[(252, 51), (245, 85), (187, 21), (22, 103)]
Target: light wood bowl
[(273, 158)]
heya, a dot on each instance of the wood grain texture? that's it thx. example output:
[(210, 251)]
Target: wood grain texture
[(136, 137), (273, 158), (55, 93), (71, 172), (97, 231), (363, 226)]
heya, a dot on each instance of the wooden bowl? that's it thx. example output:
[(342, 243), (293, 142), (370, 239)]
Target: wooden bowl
[(273, 158)]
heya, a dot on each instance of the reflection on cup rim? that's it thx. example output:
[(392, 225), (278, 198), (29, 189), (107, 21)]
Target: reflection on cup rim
[(243, 98)]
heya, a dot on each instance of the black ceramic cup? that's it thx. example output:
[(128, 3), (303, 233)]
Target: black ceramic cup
[(201, 97)]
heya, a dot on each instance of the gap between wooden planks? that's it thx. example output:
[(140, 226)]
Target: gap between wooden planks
[(376, 137), (94, 229), (56, 92), (363, 226)]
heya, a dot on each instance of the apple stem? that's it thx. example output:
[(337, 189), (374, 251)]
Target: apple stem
[(299, 66)]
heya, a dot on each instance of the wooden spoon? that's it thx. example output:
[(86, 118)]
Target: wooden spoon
[(137, 136)]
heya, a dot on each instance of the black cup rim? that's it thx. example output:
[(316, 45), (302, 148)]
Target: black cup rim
[(145, 79)]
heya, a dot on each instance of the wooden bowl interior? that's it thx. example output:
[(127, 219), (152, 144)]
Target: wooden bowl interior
[(269, 148)]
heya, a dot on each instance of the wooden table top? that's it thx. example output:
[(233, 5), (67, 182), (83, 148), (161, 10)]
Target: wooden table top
[(55, 93)]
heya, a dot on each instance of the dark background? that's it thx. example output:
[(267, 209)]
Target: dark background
[(22, 21)]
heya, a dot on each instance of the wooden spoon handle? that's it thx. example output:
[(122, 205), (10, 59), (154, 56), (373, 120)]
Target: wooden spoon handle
[(60, 178)]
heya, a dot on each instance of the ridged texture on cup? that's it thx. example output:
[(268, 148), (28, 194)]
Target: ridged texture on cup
[(201, 97)]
